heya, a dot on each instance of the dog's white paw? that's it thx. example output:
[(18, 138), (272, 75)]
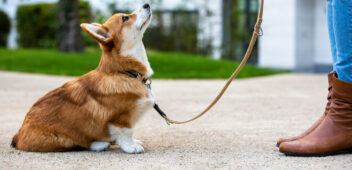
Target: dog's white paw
[(133, 148), (99, 146), (127, 143)]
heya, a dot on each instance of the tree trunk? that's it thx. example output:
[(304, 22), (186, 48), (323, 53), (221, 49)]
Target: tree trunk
[(230, 17), (70, 39), (250, 21), (226, 29), (248, 28)]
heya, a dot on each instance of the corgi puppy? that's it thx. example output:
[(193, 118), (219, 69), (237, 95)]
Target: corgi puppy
[(101, 106)]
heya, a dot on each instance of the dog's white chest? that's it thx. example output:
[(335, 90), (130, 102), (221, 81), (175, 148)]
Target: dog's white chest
[(138, 51), (143, 105), (150, 99)]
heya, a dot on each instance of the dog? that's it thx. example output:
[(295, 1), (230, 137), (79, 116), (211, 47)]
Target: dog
[(102, 106)]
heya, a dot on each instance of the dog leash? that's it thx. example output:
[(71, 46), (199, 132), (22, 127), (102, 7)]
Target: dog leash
[(257, 32)]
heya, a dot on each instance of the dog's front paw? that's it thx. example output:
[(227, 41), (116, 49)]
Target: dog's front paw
[(132, 148), (127, 143), (99, 146)]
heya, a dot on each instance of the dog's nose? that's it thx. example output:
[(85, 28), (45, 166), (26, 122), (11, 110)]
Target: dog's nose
[(146, 6)]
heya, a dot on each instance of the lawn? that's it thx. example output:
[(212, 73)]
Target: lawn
[(165, 64)]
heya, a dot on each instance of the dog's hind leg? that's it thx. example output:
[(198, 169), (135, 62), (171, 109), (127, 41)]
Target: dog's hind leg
[(35, 140)]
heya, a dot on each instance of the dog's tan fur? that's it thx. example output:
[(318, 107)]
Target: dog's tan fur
[(79, 112)]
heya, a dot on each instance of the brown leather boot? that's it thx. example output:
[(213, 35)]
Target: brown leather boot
[(334, 134), (327, 108)]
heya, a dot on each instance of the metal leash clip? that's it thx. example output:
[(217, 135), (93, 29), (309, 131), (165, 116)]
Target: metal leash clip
[(148, 83), (260, 32), (167, 121), (162, 114)]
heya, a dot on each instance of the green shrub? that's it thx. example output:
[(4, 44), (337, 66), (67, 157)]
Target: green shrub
[(4, 28), (37, 24)]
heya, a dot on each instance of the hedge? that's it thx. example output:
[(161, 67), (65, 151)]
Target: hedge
[(37, 24), (4, 28)]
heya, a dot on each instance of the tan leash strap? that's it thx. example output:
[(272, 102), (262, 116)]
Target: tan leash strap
[(257, 32)]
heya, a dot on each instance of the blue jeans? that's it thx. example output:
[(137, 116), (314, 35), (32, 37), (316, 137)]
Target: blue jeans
[(339, 13)]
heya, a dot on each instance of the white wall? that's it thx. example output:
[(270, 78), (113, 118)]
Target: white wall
[(321, 38), (313, 44), (295, 36), (277, 46), (305, 26)]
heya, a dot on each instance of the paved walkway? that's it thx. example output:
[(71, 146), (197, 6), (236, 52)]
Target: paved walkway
[(239, 133)]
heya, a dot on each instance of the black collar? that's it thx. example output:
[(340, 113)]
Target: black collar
[(145, 80)]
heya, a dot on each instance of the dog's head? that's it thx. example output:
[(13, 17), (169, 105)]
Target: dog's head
[(121, 31)]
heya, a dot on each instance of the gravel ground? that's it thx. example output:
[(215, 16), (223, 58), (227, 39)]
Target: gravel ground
[(239, 133)]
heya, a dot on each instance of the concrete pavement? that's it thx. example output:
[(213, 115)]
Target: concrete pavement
[(239, 133)]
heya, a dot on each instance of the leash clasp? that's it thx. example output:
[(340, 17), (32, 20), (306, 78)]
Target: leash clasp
[(161, 113), (167, 121), (258, 30), (148, 83)]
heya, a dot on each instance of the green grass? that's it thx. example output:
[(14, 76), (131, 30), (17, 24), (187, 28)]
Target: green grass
[(164, 64)]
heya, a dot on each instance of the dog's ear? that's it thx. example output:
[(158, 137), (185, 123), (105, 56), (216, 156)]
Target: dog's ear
[(98, 32)]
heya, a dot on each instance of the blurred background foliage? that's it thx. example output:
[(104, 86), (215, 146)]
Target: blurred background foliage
[(239, 18), (4, 28), (34, 33), (172, 40), (179, 35), (170, 30)]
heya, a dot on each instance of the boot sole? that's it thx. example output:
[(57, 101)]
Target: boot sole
[(344, 151)]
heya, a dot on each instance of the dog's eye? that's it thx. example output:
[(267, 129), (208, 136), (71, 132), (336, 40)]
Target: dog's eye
[(125, 18)]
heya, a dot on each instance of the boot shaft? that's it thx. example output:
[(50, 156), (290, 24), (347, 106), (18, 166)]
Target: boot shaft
[(341, 106)]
